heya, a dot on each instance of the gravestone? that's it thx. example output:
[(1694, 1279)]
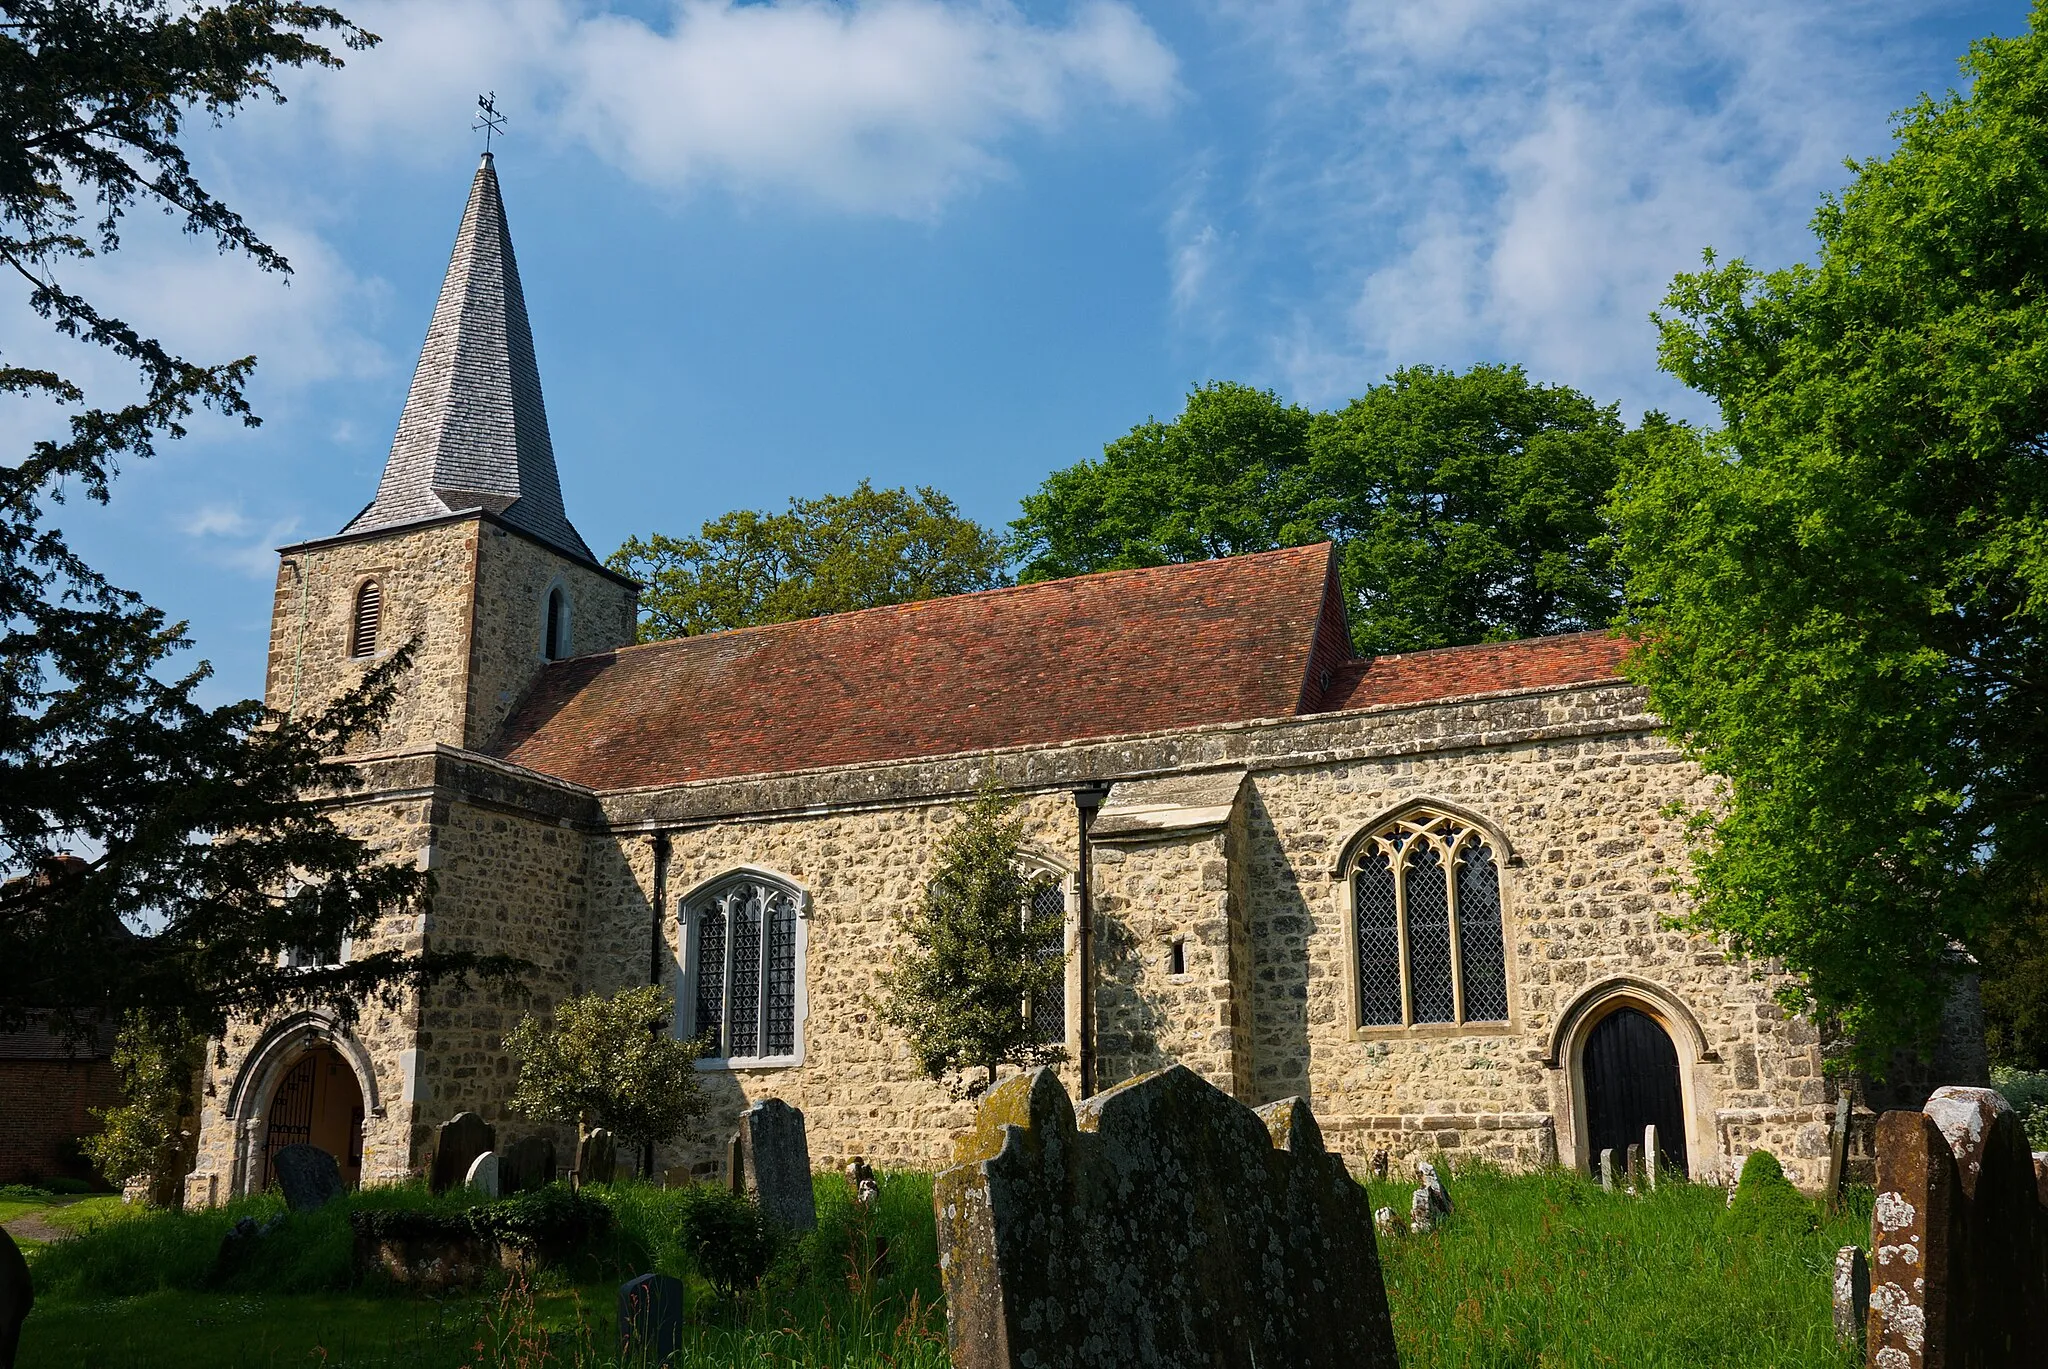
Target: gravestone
[(597, 1159), (239, 1244), (736, 1164), (1439, 1200), (457, 1143), (1651, 1157), (2041, 1176), (1634, 1170), (17, 1296), (483, 1175), (1380, 1160), (1159, 1223), (526, 1164), (650, 1319), (1421, 1213), (1838, 1152), (309, 1177), (861, 1175), (777, 1161), (1384, 1221), (1607, 1170), (1852, 1294)]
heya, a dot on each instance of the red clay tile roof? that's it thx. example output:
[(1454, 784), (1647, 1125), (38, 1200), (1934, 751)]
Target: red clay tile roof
[(1419, 676), (1093, 656)]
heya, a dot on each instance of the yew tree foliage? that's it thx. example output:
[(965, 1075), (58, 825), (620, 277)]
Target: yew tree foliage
[(827, 555), (1839, 597), (1469, 506), (976, 954), (120, 794), (608, 1062)]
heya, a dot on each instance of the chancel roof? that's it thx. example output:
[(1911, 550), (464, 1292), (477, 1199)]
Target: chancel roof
[(474, 434), (1114, 654)]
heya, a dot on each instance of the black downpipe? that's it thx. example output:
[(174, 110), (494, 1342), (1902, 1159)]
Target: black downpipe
[(1086, 801), (655, 946)]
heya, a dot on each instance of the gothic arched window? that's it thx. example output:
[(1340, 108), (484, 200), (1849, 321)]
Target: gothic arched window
[(743, 974), (1426, 923), (368, 618)]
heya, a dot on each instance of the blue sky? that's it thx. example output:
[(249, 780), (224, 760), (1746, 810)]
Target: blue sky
[(772, 248)]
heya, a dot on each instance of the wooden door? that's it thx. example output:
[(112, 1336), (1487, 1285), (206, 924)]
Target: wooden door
[(1631, 1075)]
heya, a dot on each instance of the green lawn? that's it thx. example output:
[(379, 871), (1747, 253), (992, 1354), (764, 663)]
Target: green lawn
[(1545, 1271)]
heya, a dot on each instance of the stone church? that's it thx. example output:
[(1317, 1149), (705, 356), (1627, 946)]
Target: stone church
[(1428, 892)]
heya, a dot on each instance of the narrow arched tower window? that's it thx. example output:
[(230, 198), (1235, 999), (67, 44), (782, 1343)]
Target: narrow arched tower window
[(369, 616), (558, 625)]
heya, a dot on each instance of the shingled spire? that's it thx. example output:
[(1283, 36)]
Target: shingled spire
[(474, 434)]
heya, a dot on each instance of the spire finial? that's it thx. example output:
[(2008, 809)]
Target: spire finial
[(488, 119)]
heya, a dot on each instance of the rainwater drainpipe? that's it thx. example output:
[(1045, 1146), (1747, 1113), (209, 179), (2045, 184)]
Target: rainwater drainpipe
[(654, 949), (1086, 800)]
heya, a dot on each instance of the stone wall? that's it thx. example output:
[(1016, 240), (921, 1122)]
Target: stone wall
[(425, 576), (514, 576)]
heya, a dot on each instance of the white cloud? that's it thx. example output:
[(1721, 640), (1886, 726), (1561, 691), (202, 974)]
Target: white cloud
[(229, 537), (1520, 181), (889, 106)]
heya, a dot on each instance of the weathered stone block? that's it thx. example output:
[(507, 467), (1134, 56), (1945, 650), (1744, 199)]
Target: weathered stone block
[(1160, 1224)]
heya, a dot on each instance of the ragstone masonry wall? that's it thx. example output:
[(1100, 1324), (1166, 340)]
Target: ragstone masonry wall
[(1574, 780)]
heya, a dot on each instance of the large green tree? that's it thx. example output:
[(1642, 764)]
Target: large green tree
[(1470, 506), (826, 555), (121, 796), (1839, 596)]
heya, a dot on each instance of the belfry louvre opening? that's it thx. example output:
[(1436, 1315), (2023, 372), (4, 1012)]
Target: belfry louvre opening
[(369, 615)]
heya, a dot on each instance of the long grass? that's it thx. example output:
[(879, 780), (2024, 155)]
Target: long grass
[(1535, 1272)]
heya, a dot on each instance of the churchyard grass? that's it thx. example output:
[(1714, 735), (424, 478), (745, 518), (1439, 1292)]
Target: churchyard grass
[(1542, 1271)]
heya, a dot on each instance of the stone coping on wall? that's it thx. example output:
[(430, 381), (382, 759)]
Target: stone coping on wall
[(1489, 721)]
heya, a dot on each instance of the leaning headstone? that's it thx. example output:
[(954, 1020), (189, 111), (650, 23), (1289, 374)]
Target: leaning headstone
[(309, 1177), (1381, 1158), (1159, 1223), (597, 1158), (1852, 1294), (526, 1164), (483, 1175), (650, 1319), (17, 1296), (457, 1143), (778, 1163), (1650, 1157), (1607, 1170)]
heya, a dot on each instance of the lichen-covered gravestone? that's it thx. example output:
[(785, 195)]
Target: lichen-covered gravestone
[(1160, 1224), (526, 1164), (777, 1163), (457, 1143), (309, 1177), (17, 1296)]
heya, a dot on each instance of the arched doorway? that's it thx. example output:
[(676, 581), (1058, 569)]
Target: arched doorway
[(317, 1102), (1631, 1078)]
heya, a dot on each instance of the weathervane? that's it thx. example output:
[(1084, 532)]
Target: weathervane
[(488, 119)]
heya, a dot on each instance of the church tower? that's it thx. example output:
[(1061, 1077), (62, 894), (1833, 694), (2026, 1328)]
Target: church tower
[(466, 548)]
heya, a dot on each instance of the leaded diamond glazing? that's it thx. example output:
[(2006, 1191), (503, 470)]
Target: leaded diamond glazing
[(1379, 943), (1481, 944), (1049, 1008), (1429, 935), (779, 986)]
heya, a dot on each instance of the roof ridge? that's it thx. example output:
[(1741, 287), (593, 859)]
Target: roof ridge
[(1170, 567), (1363, 662)]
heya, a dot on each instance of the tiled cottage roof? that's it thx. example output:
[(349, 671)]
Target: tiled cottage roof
[(1095, 656), (1419, 676), (474, 434)]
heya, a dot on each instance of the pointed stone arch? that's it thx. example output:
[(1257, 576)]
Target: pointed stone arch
[(280, 1047)]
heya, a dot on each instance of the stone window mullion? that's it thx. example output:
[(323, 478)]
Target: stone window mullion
[(725, 906), (1451, 852), (1401, 854)]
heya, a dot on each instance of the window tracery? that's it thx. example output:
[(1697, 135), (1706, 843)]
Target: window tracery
[(744, 969), (1427, 933)]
